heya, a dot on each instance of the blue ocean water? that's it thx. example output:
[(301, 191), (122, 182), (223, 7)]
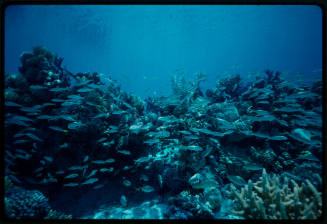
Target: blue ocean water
[(142, 46), (163, 112)]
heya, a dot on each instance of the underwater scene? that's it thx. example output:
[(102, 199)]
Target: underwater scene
[(163, 112)]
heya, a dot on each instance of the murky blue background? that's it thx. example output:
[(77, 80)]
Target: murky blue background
[(142, 46)]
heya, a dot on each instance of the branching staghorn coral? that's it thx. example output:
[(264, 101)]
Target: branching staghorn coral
[(272, 198), (182, 88), (54, 214)]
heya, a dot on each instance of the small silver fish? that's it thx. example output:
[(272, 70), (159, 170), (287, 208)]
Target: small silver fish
[(152, 141), (103, 170), (21, 151), (26, 157), (48, 158), (147, 188), (75, 97), (52, 180), (85, 90), (39, 175), (65, 145), (18, 122), (55, 128), (101, 139), (37, 87), (38, 170), (86, 158), (12, 104), (21, 141), (69, 103), (71, 185), (60, 172), (48, 104), (252, 167), (236, 180), (123, 201), (127, 167), (82, 83), (98, 186), (91, 104), (75, 125), (34, 137), (90, 181), (111, 131), (95, 86), (193, 148), (101, 115), (144, 177), (58, 89), (93, 172), (108, 143), (160, 180), (185, 132), (67, 117), (127, 183), (125, 152), (110, 160), (57, 100), (29, 129), (164, 134), (44, 117), (119, 112), (98, 162), (22, 118), (75, 168), (73, 175), (142, 160), (9, 154), (14, 179)]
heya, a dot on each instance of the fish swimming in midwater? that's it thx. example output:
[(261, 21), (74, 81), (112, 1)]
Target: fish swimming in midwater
[(12, 104), (75, 125), (73, 175), (142, 160), (101, 140), (93, 172), (125, 152), (90, 181), (56, 128), (103, 170), (57, 100), (34, 137), (98, 186), (147, 188), (85, 90), (86, 158), (236, 180), (48, 158), (127, 183), (71, 185), (76, 168)]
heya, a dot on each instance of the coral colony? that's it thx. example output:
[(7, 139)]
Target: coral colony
[(244, 150)]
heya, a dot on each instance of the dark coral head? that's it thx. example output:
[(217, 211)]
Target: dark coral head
[(39, 50)]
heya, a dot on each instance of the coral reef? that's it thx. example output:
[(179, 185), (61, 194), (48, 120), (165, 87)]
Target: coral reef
[(196, 204), (227, 89), (23, 204), (8, 184), (53, 214), (89, 135), (273, 197), (41, 67)]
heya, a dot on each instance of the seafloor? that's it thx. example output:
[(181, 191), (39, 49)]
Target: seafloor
[(79, 147)]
